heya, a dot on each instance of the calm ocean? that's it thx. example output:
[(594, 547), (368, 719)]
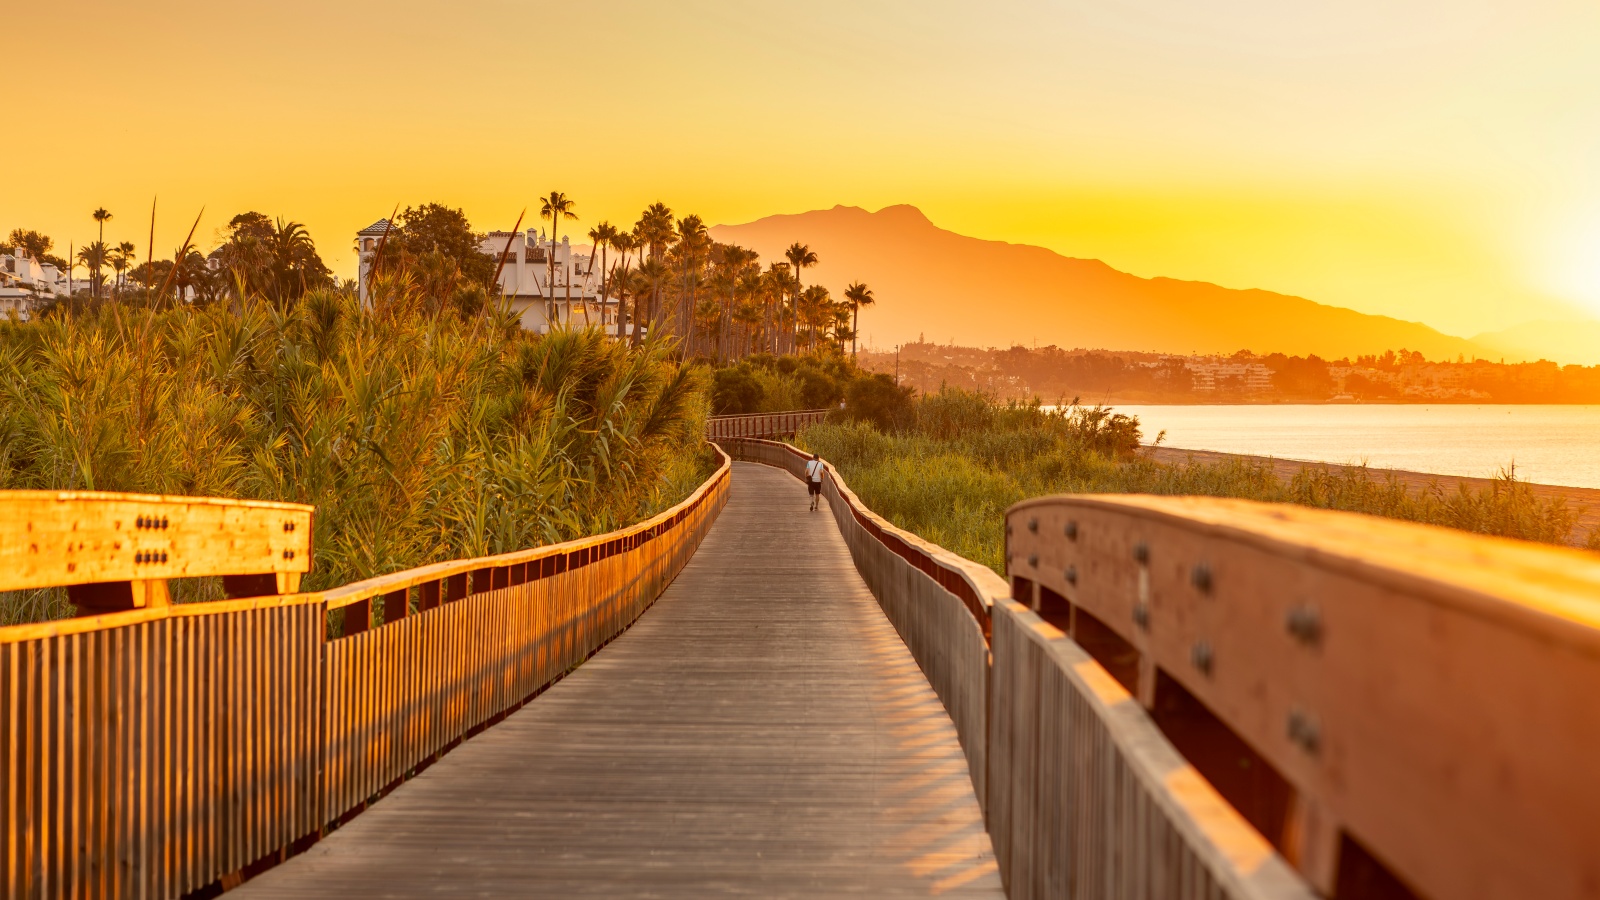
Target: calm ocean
[(1548, 444)]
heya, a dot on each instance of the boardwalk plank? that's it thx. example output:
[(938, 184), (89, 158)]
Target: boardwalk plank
[(761, 731)]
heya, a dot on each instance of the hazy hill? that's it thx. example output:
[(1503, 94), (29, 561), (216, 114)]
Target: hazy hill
[(974, 292), (1565, 342)]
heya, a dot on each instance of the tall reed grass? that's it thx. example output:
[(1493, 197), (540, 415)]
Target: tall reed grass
[(951, 475), (420, 430)]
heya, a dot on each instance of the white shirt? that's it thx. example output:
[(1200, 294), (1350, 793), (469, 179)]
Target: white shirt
[(814, 469)]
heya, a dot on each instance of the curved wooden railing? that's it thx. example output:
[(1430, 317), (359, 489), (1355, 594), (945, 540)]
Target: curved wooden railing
[(763, 425), (1082, 793), (1401, 709), (162, 750)]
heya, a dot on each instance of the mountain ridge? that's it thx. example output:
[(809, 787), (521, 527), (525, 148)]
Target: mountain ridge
[(920, 275)]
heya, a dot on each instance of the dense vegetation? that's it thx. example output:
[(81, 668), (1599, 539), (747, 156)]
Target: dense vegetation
[(766, 383), (420, 432), (666, 273), (1244, 377), (426, 426), (715, 299), (961, 459)]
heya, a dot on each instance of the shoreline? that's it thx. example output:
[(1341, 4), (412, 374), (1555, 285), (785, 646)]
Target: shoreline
[(1587, 500), (1117, 401)]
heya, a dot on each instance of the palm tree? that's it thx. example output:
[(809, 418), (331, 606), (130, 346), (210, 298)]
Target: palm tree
[(748, 315), (799, 256), (602, 236), (101, 215), (94, 257), (655, 229), (779, 284), (693, 242), (555, 207), (623, 242), (191, 273), (731, 261), (815, 309), (292, 250), (122, 256), (858, 295), (652, 277)]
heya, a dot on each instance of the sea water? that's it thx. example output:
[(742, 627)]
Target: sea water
[(1546, 444)]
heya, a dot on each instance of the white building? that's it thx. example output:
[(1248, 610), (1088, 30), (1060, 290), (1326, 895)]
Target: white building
[(26, 282), (573, 298), (1211, 373)]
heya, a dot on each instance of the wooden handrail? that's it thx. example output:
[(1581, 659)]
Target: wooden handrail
[(1081, 791), (819, 411), (1416, 702), (763, 425), (166, 750)]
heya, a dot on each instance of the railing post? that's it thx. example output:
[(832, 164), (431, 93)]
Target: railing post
[(396, 604), (357, 617)]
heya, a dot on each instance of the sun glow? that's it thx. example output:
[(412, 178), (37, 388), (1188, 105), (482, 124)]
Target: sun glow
[(1387, 155), (1578, 265)]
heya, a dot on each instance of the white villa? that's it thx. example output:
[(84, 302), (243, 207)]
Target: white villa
[(1211, 372), (24, 282), (573, 299)]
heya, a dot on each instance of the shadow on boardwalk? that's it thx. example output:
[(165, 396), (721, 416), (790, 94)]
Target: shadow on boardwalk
[(761, 731)]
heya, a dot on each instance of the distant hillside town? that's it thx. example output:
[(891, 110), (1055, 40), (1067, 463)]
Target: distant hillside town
[(1396, 376)]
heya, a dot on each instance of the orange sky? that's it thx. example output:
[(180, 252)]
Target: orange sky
[(1431, 160)]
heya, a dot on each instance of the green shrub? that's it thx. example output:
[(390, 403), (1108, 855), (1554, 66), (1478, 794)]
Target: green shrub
[(876, 399), (735, 390), (419, 432), (765, 383), (950, 474)]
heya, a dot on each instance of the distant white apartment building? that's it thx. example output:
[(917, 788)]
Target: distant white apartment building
[(572, 298), (26, 282), (1424, 381), (1210, 373)]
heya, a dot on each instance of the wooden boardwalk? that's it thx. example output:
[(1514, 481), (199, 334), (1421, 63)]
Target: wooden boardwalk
[(761, 731)]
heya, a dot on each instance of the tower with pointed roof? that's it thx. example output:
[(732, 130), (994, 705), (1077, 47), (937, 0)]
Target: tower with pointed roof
[(368, 240)]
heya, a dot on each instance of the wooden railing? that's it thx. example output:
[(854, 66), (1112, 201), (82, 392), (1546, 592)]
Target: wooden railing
[(1400, 709), (763, 425), (161, 750), (1082, 793)]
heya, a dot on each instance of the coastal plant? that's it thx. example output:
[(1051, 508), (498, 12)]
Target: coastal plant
[(421, 427), (964, 458)]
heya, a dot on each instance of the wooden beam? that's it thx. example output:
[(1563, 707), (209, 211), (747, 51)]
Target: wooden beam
[(67, 538), (1425, 692)]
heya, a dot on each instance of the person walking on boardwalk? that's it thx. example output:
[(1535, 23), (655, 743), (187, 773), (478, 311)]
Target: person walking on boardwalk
[(814, 479)]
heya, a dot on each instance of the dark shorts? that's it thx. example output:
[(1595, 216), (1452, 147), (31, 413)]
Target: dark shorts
[(814, 486)]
